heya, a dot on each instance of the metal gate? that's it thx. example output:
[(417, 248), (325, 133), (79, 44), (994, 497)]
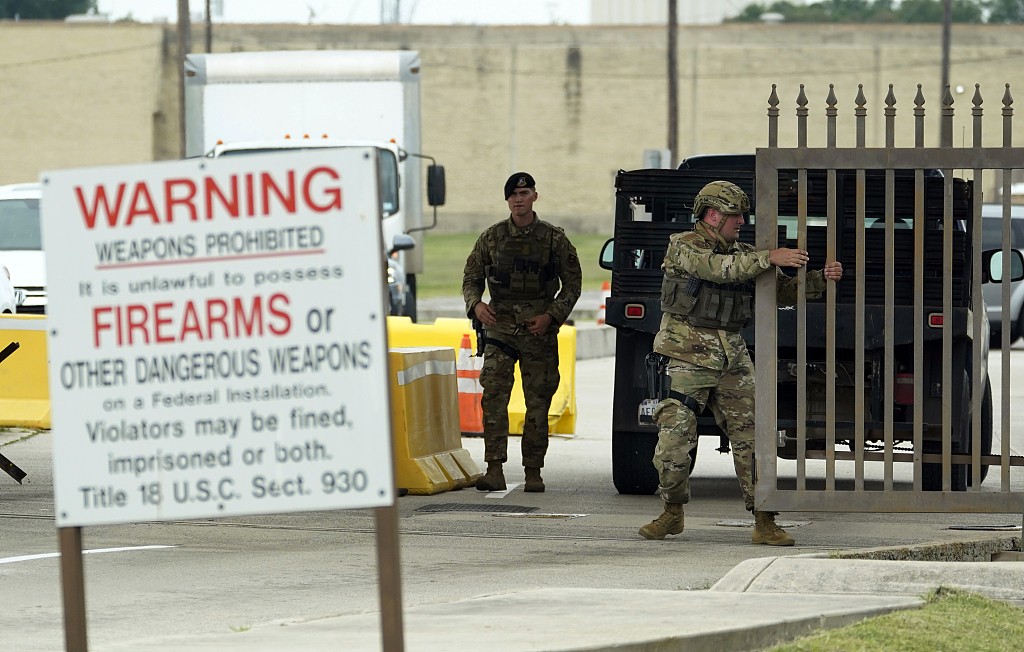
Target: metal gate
[(938, 290)]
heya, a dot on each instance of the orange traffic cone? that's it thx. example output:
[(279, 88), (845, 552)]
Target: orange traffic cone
[(606, 291), (467, 370)]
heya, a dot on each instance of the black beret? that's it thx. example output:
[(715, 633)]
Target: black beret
[(518, 180)]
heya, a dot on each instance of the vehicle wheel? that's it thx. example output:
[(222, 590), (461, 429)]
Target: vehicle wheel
[(931, 478), (986, 434), (633, 471), (1018, 332), (410, 297), (410, 306)]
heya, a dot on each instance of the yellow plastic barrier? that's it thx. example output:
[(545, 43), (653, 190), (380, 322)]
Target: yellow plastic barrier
[(429, 457), (24, 388), (447, 332)]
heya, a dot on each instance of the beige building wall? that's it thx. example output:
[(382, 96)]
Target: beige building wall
[(571, 105), (77, 95)]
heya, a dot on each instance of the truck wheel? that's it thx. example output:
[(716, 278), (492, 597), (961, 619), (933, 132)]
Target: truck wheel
[(410, 297), (1018, 332), (995, 338), (410, 306), (986, 434), (931, 478), (632, 469)]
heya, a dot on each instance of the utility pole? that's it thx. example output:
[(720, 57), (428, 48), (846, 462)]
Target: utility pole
[(947, 23), (209, 29), (184, 45), (673, 86)]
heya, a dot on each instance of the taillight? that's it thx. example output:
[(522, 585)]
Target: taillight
[(935, 320), (635, 311)]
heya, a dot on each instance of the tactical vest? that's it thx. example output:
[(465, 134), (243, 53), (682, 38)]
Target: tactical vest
[(523, 268), (728, 306)]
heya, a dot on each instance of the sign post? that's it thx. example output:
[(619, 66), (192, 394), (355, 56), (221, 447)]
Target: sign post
[(217, 339)]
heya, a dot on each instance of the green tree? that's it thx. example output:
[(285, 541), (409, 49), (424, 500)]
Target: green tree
[(44, 9), (931, 11), (1005, 11), (870, 11)]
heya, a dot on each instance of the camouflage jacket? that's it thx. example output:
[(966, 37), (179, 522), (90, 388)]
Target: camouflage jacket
[(703, 253), (510, 313)]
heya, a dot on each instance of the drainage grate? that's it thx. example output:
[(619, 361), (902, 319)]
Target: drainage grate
[(461, 507)]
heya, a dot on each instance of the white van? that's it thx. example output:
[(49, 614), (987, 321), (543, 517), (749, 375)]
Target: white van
[(21, 244)]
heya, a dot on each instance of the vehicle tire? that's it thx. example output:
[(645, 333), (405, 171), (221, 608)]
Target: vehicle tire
[(986, 434), (1018, 331), (633, 471), (410, 306), (931, 474), (410, 297)]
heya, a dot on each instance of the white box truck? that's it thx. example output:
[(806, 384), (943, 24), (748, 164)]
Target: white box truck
[(247, 102)]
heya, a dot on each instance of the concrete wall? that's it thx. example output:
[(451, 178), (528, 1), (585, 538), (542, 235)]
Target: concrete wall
[(572, 105), (77, 95)]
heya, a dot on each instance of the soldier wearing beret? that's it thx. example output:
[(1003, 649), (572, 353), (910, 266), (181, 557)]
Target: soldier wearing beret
[(533, 278), (706, 298)]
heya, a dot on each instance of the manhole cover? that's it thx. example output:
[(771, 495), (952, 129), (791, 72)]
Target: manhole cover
[(461, 507)]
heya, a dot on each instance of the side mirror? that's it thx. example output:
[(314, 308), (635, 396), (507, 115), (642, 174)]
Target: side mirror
[(435, 185), (992, 266), (607, 257), (401, 242)]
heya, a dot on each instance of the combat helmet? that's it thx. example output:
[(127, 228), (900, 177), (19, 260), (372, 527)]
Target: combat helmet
[(723, 195)]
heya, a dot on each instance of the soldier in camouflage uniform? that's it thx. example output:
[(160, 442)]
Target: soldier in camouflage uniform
[(533, 277), (706, 298)]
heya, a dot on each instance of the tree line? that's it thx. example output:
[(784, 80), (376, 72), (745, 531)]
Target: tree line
[(888, 11), (43, 9)]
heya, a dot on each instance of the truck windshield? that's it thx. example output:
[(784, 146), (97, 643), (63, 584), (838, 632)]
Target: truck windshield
[(19, 225), (387, 171)]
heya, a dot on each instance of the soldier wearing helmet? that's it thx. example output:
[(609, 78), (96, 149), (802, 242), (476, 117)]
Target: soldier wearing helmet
[(706, 299)]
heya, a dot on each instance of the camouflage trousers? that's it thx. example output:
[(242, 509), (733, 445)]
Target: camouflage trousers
[(730, 395), (538, 369)]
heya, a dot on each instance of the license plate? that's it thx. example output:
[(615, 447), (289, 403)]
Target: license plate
[(645, 412)]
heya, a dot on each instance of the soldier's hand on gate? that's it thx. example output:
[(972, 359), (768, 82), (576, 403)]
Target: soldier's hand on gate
[(538, 325), (485, 313), (788, 257), (833, 271)]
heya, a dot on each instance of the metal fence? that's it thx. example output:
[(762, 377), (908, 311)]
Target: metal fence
[(898, 322)]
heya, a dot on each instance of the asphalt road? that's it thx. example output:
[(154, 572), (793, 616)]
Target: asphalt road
[(219, 575)]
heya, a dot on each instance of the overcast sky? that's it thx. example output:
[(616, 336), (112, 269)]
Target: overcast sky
[(442, 12)]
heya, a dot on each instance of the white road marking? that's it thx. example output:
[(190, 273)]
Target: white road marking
[(48, 555), (501, 494)]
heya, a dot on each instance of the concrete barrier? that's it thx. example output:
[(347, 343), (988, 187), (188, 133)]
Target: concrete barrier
[(429, 457), (448, 332), (24, 388)]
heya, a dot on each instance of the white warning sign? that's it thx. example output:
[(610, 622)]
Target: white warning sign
[(217, 337)]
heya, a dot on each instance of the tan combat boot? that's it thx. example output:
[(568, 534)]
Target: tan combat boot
[(493, 480), (534, 483), (670, 522), (767, 532)]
